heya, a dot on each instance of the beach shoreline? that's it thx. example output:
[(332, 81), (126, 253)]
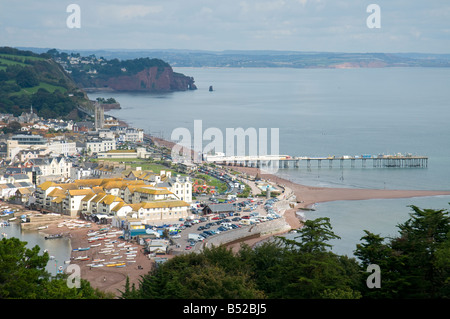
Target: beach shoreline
[(307, 196)]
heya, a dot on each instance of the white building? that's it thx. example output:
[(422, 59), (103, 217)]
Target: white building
[(100, 145), (62, 148)]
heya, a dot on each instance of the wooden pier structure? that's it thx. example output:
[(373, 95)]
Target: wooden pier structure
[(283, 161)]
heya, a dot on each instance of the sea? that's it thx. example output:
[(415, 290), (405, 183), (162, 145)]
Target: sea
[(320, 113)]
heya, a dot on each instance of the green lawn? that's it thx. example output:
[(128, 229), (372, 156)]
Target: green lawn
[(211, 181), (42, 85), (23, 58), (143, 164)]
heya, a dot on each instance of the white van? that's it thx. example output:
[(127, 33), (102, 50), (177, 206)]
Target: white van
[(226, 225)]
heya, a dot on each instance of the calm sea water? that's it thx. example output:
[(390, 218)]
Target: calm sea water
[(322, 112)]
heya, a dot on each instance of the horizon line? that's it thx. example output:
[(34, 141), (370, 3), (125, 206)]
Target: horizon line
[(228, 50)]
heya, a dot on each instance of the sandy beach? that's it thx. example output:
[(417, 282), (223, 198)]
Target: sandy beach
[(107, 279)]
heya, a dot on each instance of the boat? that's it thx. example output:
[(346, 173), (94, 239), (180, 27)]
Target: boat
[(13, 218), (82, 258), (53, 236), (85, 248), (116, 257), (42, 227), (113, 265), (98, 260), (97, 265), (96, 245)]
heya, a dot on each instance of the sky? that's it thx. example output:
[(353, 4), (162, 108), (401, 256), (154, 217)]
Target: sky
[(287, 25)]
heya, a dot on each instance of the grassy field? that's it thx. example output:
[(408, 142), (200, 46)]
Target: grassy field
[(23, 58), (42, 85), (144, 165)]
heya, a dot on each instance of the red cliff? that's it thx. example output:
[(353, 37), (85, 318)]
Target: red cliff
[(154, 79)]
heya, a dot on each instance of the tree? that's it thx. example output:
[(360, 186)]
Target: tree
[(130, 292), (23, 270), (215, 273), (314, 235), (425, 233), (23, 275), (27, 78), (12, 127), (414, 264)]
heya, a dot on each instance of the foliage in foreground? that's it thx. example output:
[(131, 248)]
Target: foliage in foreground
[(23, 275)]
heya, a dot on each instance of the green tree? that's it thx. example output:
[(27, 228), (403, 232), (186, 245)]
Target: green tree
[(23, 276), (200, 276), (129, 292), (23, 270), (303, 268), (314, 236), (27, 78), (414, 264)]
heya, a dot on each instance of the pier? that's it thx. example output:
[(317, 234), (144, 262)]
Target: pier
[(285, 161)]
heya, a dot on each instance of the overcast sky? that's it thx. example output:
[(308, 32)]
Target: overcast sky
[(299, 25)]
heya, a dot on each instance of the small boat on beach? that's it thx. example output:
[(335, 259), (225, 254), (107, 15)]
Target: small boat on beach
[(54, 236), (85, 248), (98, 260), (116, 265), (82, 258)]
